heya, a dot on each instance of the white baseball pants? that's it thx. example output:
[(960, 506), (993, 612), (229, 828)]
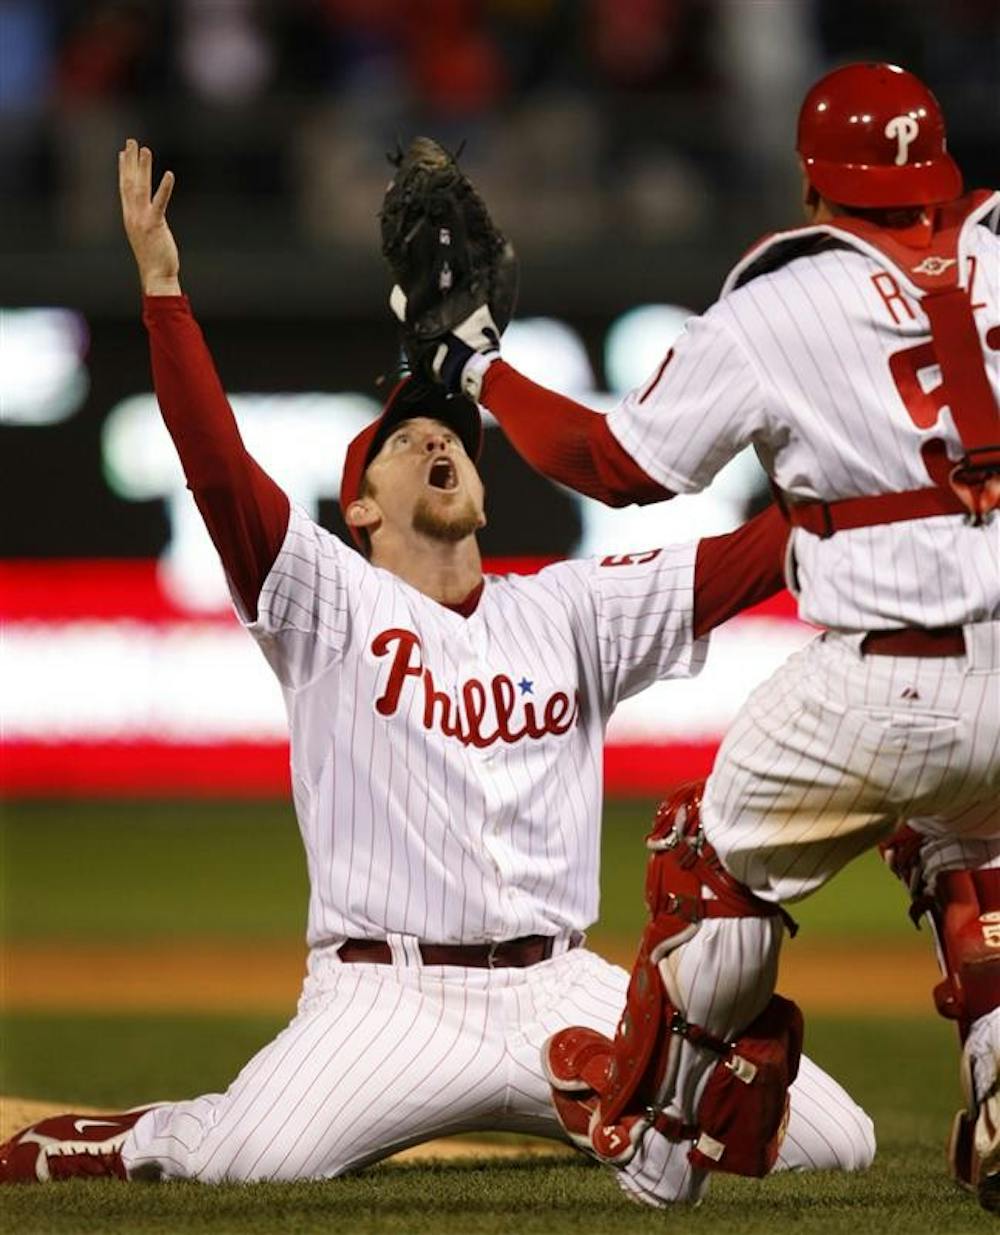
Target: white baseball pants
[(836, 749), (383, 1056), (823, 761)]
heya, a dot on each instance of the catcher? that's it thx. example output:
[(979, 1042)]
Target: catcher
[(858, 355)]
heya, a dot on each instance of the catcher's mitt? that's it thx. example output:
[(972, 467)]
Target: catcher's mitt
[(444, 250)]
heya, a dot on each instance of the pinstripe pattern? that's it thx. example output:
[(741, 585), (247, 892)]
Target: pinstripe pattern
[(836, 749), (796, 363), (382, 1057), (825, 759), (423, 824), (412, 830)]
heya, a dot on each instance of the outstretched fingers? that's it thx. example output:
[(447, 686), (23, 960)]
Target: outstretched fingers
[(130, 177), (135, 180), (144, 178), (126, 172), (144, 217), (162, 195)]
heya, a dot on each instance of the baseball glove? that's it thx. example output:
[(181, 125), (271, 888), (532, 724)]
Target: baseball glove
[(446, 254)]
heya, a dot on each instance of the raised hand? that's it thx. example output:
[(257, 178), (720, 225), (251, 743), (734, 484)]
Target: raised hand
[(144, 214)]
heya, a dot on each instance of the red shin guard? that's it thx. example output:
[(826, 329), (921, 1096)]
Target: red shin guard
[(964, 911)]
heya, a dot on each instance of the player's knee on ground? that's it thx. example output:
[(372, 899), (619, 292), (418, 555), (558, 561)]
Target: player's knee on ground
[(827, 1130), (852, 1148), (844, 1145)]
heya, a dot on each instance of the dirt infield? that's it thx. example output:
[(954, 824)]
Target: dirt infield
[(218, 977)]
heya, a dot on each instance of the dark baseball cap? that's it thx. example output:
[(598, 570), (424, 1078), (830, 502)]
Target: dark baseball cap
[(410, 398)]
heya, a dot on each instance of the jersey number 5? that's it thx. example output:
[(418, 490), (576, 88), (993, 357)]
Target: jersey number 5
[(924, 402), (631, 559)]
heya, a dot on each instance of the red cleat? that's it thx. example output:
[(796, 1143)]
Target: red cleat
[(68, 1147)]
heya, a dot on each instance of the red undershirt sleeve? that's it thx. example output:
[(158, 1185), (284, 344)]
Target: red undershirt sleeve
[(738, 570), (566, 441), (245, 512)]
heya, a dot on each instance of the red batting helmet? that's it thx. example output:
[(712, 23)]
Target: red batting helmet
[(410, 398), (873, 135)]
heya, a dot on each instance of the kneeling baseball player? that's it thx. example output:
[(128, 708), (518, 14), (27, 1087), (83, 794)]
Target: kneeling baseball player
[(446, 743)]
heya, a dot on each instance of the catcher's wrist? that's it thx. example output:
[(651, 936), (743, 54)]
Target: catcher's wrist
[(474, 373)]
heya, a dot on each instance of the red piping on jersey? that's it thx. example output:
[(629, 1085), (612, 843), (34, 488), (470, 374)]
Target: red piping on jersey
[(655, 380)]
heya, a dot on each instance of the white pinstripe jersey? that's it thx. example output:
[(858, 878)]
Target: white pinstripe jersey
[(823, 365), (447, 770)]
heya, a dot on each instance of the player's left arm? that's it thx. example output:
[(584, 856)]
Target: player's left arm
[(738, 570), (565, 441), (700, 407)]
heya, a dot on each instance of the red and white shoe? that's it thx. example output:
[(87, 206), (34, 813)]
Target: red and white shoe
[(68, 1147)]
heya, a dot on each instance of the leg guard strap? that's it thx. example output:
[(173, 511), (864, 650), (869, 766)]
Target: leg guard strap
[(743, 1112), (683, 864)]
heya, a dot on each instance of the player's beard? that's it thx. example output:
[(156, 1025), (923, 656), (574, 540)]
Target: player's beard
[(447, 526)]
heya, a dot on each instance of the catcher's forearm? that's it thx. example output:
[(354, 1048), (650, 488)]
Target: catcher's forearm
[(245, 512), (738, 570), (566, 441)]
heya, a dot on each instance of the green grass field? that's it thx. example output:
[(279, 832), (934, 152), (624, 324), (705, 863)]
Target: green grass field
[(193, 872), (146, 869)]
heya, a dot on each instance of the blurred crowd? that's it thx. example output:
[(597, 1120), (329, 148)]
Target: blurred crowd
[(582, 117)]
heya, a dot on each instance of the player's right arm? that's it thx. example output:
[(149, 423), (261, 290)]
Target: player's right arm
[(245, 512)]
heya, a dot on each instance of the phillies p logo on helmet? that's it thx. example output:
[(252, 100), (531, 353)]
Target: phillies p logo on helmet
[(904, 130), (872, 134)]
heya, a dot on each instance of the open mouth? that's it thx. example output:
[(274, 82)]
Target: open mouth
[(442, 475)]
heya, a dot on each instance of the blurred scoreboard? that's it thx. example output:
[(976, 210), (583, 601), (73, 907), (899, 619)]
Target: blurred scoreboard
[(123, 668)]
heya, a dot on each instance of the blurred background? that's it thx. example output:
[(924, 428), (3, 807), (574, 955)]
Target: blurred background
[(630, 148)]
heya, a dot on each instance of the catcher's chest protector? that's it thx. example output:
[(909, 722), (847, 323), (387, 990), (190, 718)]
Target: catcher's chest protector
[(934, 272)]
